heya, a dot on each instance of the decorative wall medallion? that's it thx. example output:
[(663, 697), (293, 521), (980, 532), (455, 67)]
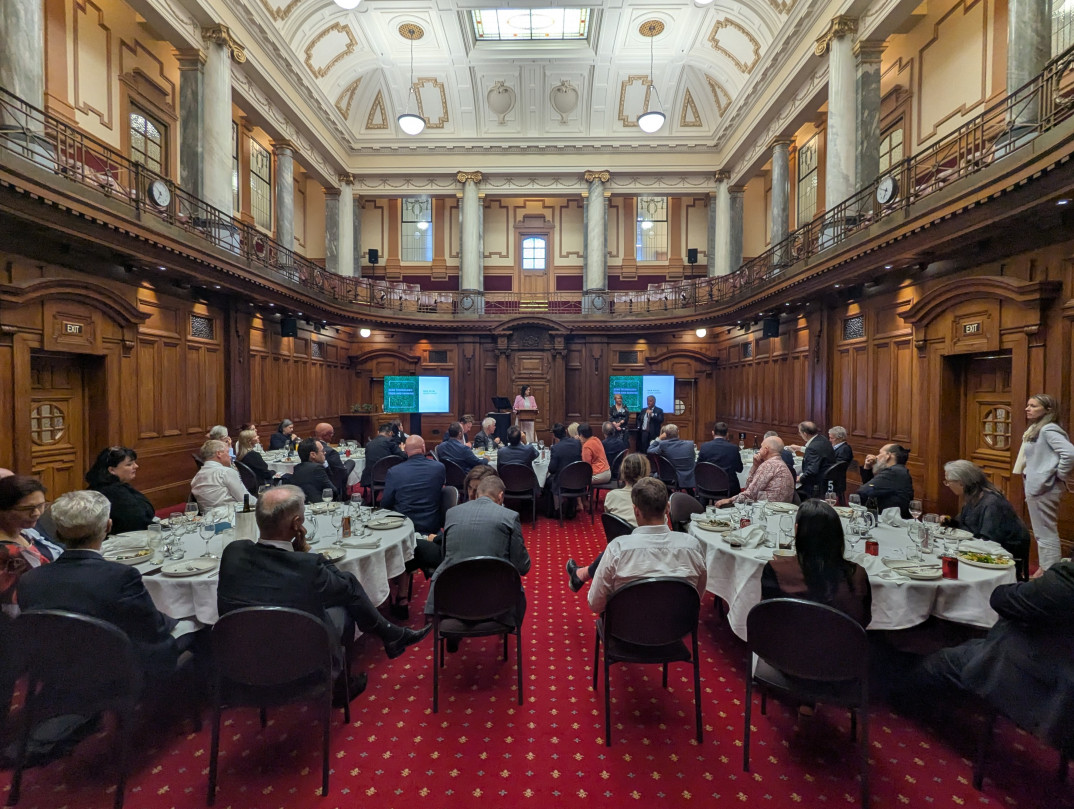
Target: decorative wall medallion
[(467, 303), (564, 99), (501, 100)]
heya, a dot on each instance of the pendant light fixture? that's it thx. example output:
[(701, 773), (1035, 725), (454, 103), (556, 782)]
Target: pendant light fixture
[(410, 122), (348, 4), (652, 119)]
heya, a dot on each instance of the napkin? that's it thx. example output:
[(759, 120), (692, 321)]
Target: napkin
[(752, 537), (982, 546), (873, 565), (127, 542), (891, 516)]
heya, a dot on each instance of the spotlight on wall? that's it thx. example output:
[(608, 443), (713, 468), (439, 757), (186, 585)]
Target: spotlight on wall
[(701, 332), (364, 332)]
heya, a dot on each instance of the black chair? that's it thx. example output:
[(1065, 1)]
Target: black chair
[(836, 473), (665, 471), (344, 487), (809, 652), (520, 483), (198, 462), (645, 621), (713, 482), (378, 473), (576, 480), (76, 664), (248, 477), (338, 477), (614, 526), (456, 476), (614, 483), (469, 597), (449, 498), (682, 506), (265, 656)]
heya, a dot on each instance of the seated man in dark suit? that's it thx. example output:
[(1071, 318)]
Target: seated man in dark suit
[(279, 571), (310, 475), (324, 432), (724, 454), (679, 452), (885, 479), (483, 527), (413, 487), (564, 452), (486, 438), (83, 581), (380, 447), (516, 451), (1024, 666), (613, 441), (817, 455), (455, 450)]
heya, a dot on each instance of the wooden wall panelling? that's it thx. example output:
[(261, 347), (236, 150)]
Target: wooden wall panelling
[(236, 325)]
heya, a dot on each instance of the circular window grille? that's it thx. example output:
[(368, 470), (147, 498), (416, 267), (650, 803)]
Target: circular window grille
[(47, 423), (680, 407), (996, 427)]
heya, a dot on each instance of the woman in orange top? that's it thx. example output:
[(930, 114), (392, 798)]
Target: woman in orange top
[(593, 454)]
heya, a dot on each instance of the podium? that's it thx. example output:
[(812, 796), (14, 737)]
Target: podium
[(530, 416)]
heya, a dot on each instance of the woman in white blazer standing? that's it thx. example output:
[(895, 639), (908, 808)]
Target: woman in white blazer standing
[(1045, 461)]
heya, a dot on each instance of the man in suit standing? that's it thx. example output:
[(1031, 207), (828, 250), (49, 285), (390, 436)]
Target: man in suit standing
[(885, 478), (310, 475), (483, 527), (324, 432), (564, 452), (380, 447), (279, 571), (649, 421), (724, 454), (679, 452), (843, 452), (817, 455), (454, 449)]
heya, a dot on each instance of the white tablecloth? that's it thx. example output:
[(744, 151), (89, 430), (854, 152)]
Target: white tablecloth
[(276, 462), (195, 596), (540, 466), (735, 576)]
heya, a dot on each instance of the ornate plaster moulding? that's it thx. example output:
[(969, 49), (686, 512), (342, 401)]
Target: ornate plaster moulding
[(563, 183)]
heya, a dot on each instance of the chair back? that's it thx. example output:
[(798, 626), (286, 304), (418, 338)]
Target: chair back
[(349, 466), (449, 498), (518, 479), (682, 506), (808, 640), (339, 481), (665, 471), (45, 524), (617, 462), (456, 476), (652, 612), (575, 479), (198, 462), (265, 646), (249, 479), (614, 526), (837, 474), (478, 589), (712, 481), (381, 467)]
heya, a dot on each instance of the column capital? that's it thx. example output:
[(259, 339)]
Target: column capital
[(603, 175), (782, 140), (838, 27), (189, 58), (722, 176), (330, 192), (869, 50), (346, 179), (283, 145), (464, 176), (221, 35), (736, 190)]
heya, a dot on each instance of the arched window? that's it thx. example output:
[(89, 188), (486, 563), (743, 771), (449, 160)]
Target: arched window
[(534, 253)]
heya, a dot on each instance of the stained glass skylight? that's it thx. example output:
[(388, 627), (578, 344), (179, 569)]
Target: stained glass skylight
[(531, 25)]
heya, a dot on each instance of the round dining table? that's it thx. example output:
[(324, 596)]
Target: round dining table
[(374, 559), (734, 575), (277, 460), (540, 465)]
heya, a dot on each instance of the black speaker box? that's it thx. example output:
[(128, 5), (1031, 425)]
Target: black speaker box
[(770, 327), (691, 255), (374, 255), (289, 327)]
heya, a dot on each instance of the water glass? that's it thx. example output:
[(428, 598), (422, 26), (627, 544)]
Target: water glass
[(155, 542), (207, 530)]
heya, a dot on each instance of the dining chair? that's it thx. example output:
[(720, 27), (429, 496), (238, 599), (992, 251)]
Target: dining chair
[(807, 652), (645, 621), (74, 663), (455, 476), (614, 483), (836, 472), (665, 471), (469, 598), (248, 477), (269, 656), (576, 480), (345, 489), (682, 506), (378, 473), (614, 526), (520, 483), (713, 482), (198, 462)]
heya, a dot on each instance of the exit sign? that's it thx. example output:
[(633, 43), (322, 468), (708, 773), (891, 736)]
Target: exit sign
[(72, 328), (971, 328)]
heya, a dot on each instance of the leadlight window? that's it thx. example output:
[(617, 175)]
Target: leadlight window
[(261, 185), (808, 176), (417, 232), (534, 253), (47, 423), (651, 243), (996, 427), (530, 24), (891, 148), (147, 140)]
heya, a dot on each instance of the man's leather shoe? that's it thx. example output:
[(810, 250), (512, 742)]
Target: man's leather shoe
[(394, 648), (356, 685), (572, 571)]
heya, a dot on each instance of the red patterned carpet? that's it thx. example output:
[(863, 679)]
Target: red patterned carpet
[(482, 749)]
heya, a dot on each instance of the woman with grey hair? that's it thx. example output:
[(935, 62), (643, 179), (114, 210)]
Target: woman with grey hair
[(284, 436), (986, 513)]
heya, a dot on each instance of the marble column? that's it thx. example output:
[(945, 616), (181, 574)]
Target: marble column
[(191, 119), (867, 54), (357, 231), (471, 225), (22, 57), (736, 193), (220, 49), (720, 257), (331, 229), (780, 210), (596, 232), (285, 194), (1029, 45), (345, 226), (841, 143)]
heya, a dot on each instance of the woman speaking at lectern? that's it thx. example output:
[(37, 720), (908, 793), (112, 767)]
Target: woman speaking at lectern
[(525, 401)]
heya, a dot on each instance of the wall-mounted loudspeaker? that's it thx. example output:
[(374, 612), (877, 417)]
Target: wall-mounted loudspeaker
[(289, 327), (770, 327), (374, 255), (691, 255)]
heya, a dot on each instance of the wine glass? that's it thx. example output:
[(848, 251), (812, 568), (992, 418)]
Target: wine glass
[(855, 532), (915, 509), (311, 529), (786, 527), (337, 525), (207, 530), (191, 512), (365, 512), (855, 501), (326, 495)]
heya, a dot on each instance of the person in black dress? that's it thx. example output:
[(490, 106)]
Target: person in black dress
[(111, 475), (618, 415), (247, 454)]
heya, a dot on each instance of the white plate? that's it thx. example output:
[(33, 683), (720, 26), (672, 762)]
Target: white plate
[(989, 565), (333, 554), (922, 573), (844, 511), (363, 545), (955, 533), (188, 567), (386, 523), (130, 556), (784, 508), (720, 527)]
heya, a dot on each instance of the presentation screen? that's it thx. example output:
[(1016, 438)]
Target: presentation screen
[(637, 389), (417, 394)]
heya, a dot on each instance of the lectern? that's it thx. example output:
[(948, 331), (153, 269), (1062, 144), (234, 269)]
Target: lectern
[(530, 416)]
